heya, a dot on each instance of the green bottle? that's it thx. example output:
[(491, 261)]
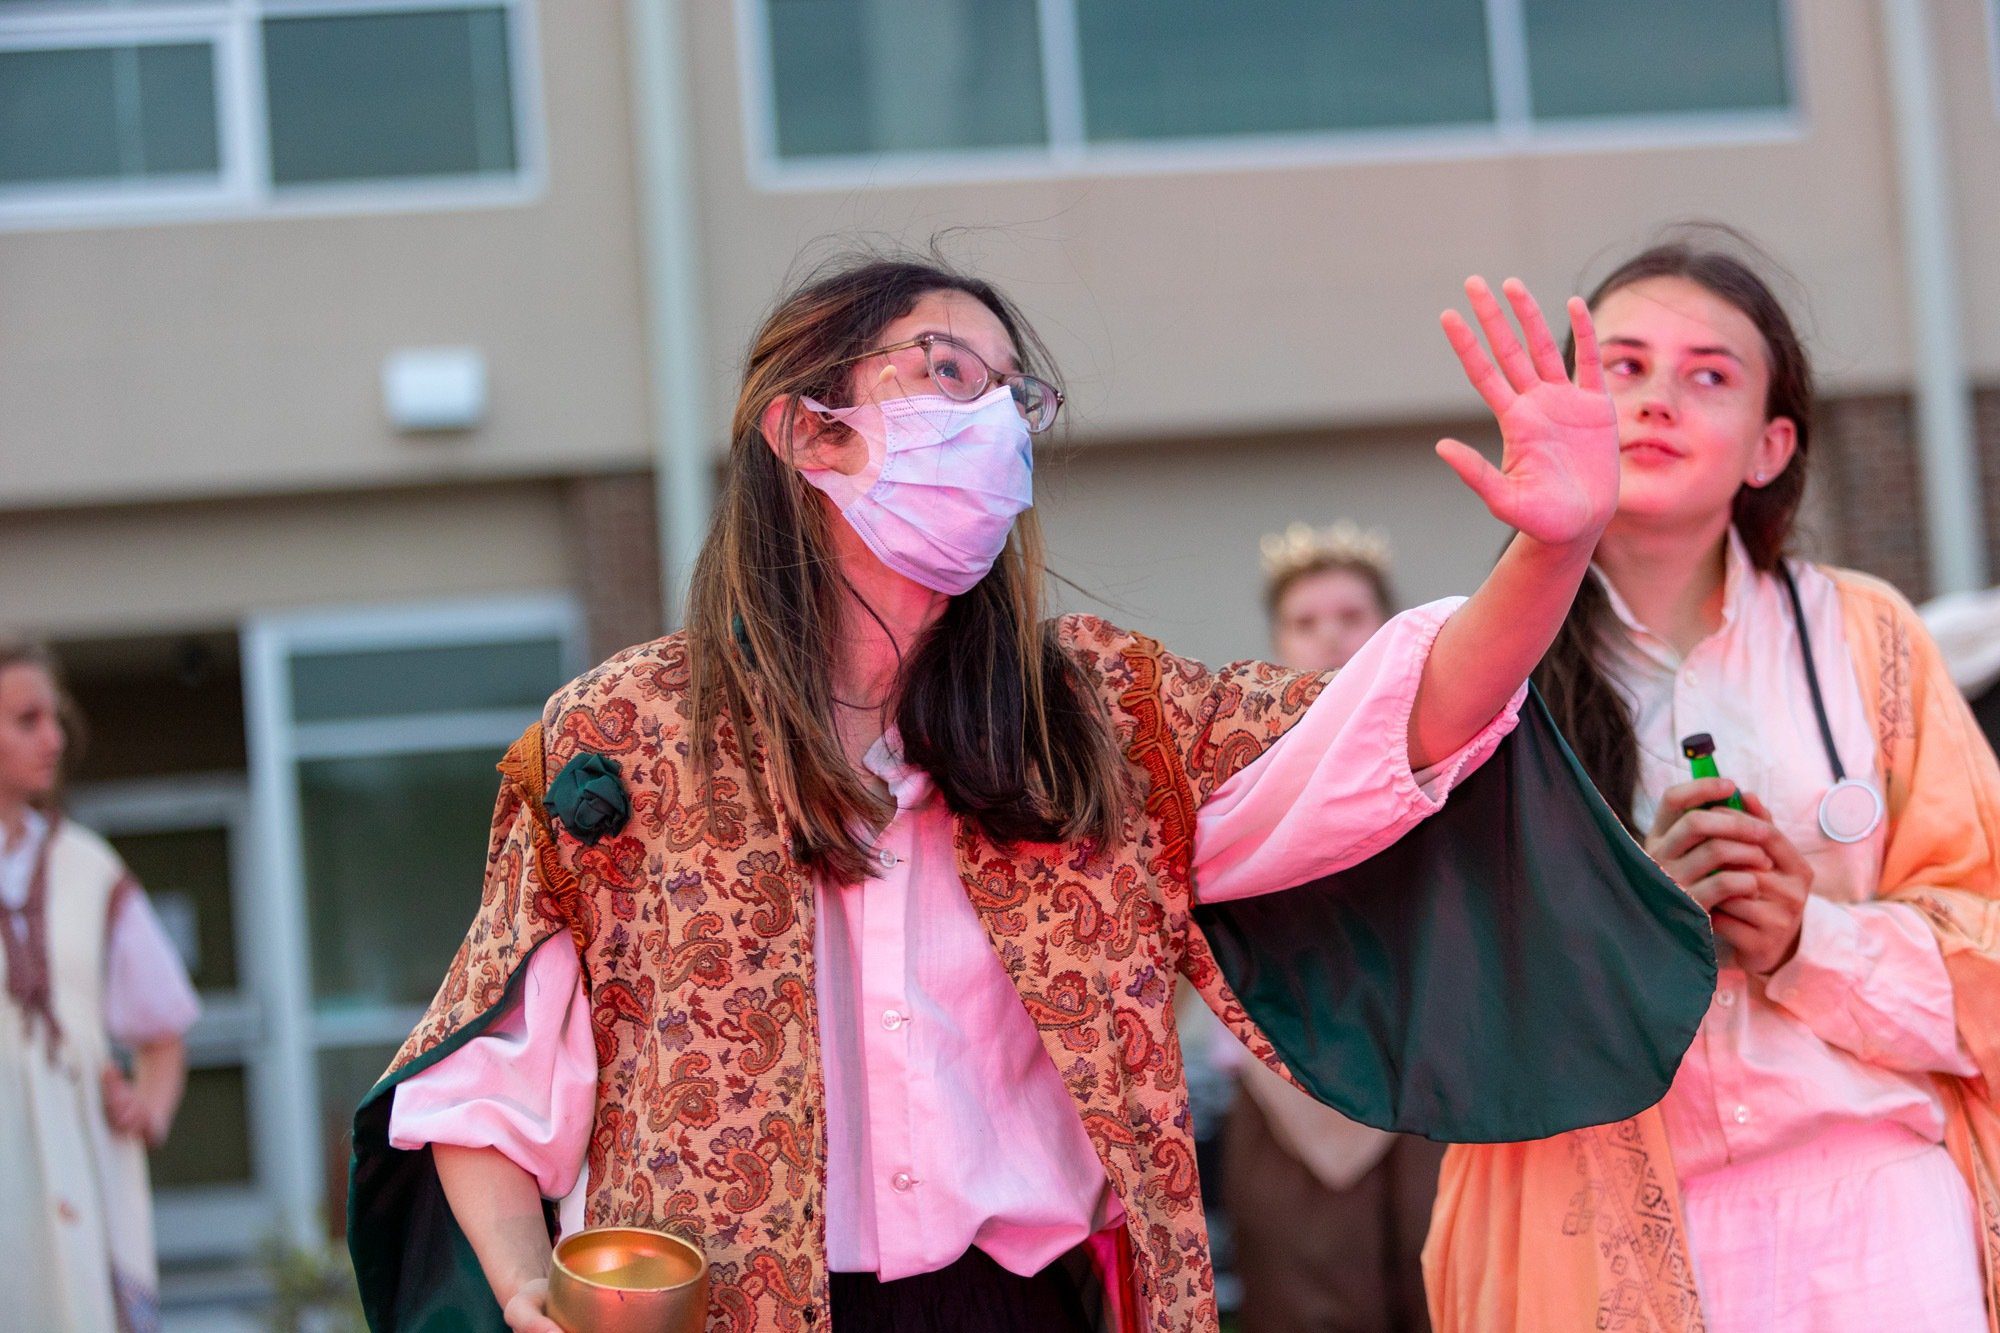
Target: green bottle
[(1700, 751)]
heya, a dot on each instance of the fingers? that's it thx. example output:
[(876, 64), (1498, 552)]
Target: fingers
[(1785, 855), (1542, 350), (1485, 480), (1721, 888), (1589, 361), (1697, 826), (1719, 854), (1507, 350), (1486, 380), (1677, 800)]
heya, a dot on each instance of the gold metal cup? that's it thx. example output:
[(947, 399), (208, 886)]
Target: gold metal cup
[(628, 1280)]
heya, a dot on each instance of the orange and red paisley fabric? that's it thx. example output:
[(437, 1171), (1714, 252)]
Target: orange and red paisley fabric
[(695, 928)]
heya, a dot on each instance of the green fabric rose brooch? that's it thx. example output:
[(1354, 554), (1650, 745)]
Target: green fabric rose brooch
[(589, 798)]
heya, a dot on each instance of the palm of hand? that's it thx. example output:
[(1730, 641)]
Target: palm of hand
[(1559, 462), (1558, 475)]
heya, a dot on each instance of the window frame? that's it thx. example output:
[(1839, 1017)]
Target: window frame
[(300, 1029), (1068, 153), (243, 186)]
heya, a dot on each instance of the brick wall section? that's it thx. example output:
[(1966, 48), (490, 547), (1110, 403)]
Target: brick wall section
[(1865, 454), (616, 549), (1867, 460)]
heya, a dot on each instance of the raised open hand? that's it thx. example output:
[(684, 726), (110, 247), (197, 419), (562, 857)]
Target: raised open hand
[(1558, 475)]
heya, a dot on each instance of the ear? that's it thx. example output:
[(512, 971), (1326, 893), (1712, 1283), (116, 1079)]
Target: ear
[(1774, 451), (799, 435)]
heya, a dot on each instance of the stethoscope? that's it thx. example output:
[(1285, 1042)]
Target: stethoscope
[(1852, 808)]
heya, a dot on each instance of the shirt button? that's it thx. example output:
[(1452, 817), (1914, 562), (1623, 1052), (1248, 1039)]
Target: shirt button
[(1742, 1115), (893, 1019), (902, 1181), (1692, 678)]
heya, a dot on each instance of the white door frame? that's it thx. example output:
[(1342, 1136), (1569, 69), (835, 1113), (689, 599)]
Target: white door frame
[(290, 1134)]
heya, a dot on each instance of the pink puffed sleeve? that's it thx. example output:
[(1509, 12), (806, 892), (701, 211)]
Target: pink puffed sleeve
[(527, 1086), (147, 994), (1336, 788)]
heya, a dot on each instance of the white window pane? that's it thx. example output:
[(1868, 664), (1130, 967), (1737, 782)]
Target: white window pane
[(385, 96), (870, 76), (1191, 68), (107, 113), (1620, 58)]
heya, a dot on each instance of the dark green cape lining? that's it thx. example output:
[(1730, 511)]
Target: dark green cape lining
[(1513, 967), (415, 1267)]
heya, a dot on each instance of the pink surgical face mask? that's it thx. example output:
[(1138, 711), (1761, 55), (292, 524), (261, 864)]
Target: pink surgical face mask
[(942, 486)]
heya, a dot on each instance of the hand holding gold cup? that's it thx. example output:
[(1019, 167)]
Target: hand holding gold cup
[(628, 1280)]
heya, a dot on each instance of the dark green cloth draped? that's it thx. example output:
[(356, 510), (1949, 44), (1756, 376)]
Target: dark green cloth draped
[(416, 1269), (1512, 968)]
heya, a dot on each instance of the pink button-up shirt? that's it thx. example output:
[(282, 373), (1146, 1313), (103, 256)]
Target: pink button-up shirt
[(948, 1126), (1845, 1033)]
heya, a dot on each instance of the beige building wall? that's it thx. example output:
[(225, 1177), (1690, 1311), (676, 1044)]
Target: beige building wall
[(167, 569), (1164, 537), (1193, 303), (244, 356)]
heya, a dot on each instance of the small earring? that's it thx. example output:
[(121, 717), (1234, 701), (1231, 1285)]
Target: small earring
[(1758, 479)]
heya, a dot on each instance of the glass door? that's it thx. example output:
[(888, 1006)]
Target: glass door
[(187, 841), (373, 739)]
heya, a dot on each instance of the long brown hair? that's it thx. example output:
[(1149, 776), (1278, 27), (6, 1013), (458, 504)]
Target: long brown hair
[(1589, 710), (987, 702)]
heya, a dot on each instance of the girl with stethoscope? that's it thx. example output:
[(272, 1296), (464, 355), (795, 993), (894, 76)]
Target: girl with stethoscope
[(1807, 1125)]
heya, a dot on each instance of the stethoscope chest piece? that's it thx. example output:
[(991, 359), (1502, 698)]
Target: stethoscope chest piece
[(1850, 810)]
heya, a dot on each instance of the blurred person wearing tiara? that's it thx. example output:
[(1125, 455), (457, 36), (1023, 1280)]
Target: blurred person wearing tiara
[(1329, 1215)]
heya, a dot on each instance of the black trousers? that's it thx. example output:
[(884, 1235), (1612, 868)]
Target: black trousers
[(973, 1295)]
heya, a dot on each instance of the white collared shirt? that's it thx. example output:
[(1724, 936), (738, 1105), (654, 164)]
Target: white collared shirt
[(1846, 1032)]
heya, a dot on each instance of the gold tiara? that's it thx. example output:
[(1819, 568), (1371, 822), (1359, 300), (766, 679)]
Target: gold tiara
[(1301, 546)]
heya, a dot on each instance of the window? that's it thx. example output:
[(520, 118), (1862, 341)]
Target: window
[(373, 739), (217, 107), (848, 84), (1160, 69), (1609, 58)]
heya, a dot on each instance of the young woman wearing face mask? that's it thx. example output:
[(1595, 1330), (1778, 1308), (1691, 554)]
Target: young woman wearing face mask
[(86, 965), (1816, 1164), (838, 932)]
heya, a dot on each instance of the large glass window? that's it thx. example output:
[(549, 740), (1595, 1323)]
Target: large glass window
[(107, 113), (380, 96), (856, 79), (1590, 58), (233, 104), (870, 76), (1155, 69)]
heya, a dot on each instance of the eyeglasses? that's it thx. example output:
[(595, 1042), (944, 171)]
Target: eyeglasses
[(962, 375)]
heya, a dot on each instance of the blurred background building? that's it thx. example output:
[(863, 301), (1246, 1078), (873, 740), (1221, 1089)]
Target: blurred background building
[(355, 354)]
